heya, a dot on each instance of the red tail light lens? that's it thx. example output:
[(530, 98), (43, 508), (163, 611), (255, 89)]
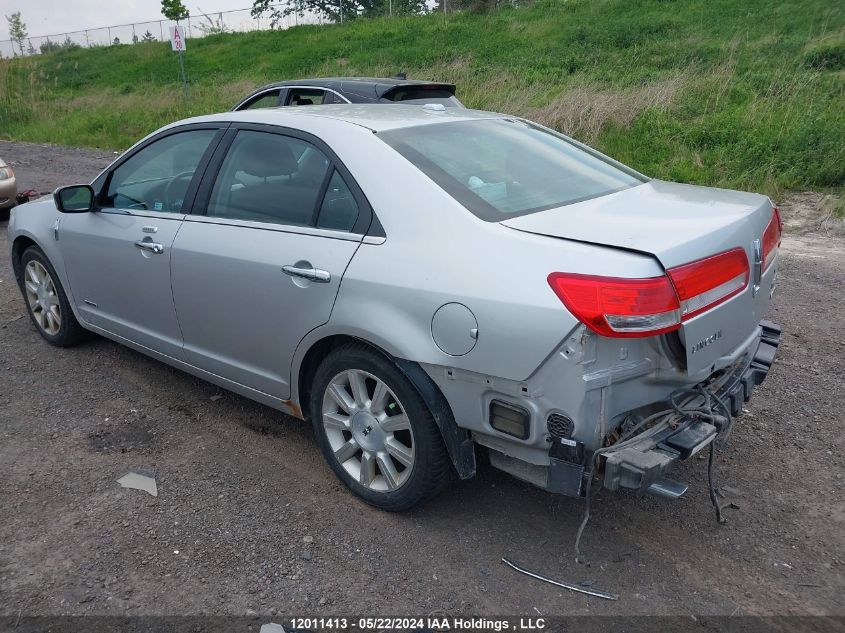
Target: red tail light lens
[(771, 239), (708, 282), (619, 307)]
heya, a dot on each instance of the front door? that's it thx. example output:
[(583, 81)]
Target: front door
[(118, 257), (262, 266)]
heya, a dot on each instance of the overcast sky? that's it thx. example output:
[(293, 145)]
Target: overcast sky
[(46, 17)]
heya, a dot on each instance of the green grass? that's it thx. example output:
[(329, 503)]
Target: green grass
[(744, 94)]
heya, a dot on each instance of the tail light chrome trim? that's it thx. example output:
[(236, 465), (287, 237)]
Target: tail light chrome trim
[(705, 283)]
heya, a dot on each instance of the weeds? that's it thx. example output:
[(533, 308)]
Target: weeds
[(745, 95)]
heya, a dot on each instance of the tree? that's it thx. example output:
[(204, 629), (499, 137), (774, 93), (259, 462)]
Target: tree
[(30, 49), (134, 38), (174, 10), (17, 29), (210, 26), (116, 42), (148, 37), (336, 10)]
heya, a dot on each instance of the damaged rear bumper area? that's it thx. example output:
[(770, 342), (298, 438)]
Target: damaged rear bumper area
[(640, 457)]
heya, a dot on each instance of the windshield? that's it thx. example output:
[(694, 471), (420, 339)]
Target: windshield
[(501, 168)]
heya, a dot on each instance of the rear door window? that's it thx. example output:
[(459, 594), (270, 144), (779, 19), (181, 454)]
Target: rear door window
[(305, 96), (270, 178)]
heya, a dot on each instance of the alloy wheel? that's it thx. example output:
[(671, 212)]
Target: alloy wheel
[(42, 298), (368, 430)]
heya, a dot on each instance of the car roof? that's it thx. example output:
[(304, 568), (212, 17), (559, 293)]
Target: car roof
[(378, 117)]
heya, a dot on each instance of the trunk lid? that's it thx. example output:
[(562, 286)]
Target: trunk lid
[(677, 224)]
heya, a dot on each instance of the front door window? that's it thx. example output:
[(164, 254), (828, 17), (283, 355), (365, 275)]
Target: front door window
[(157, 177)]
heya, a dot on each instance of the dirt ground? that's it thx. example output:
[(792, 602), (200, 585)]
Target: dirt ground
[(250, 519)]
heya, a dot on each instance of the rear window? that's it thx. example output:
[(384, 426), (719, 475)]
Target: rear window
[(413, 95), (501, 168)]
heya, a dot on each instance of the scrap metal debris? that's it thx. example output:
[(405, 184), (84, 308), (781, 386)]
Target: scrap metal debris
[(137, 481), (576, 588)]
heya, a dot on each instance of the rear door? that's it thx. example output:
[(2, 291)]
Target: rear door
[(259, 263), (118, 257)]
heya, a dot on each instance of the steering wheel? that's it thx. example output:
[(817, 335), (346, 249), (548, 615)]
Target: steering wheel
[(174, 197), (136, 204)]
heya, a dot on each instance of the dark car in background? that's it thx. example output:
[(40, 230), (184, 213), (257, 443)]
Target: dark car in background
[(349, 90)]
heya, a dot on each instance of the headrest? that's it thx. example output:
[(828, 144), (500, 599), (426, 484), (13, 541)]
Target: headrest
[(265, 155)]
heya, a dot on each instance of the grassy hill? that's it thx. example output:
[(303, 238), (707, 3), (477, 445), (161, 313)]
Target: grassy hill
[(744, 94)]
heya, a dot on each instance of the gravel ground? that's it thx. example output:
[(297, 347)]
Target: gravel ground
[(249, 517)]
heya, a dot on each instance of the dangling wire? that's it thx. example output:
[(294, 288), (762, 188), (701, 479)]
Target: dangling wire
[(587, 503), (713, 499)]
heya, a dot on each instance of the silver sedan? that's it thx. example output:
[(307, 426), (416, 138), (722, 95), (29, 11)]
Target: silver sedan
[(424, 284)]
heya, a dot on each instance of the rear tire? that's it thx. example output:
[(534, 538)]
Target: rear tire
[(46, 301), (375, 430)]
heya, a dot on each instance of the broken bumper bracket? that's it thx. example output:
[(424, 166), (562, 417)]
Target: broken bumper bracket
[(641, 466)]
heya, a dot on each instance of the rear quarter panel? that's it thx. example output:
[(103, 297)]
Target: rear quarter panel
[(437, 252)]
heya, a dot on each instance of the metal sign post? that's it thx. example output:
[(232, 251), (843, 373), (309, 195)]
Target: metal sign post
[(177, 43)]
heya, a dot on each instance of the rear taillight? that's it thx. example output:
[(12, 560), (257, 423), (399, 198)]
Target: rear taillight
[(621, 307), (708, 282), (771, 239)]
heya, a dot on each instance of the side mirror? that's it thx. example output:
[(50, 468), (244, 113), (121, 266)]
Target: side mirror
[(74, 198)]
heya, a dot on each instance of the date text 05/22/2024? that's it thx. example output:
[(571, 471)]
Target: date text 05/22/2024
[(432, 623)]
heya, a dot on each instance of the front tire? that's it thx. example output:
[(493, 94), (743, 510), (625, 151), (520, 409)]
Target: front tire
[(375, 430), (46, 301)]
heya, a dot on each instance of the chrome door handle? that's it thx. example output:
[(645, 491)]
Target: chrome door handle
[(151, 247), (311, 274)]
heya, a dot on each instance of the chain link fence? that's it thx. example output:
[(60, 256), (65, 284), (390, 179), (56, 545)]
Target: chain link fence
[(197, 25)]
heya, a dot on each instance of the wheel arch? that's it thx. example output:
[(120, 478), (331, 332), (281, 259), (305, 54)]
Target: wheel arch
[(24, 240), (21, 243), (458, 441)]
